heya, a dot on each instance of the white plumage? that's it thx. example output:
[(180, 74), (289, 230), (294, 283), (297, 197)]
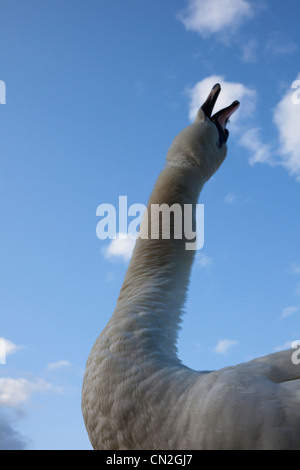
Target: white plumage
[(136, 392)]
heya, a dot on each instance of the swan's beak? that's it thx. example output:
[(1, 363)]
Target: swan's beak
[(221, 118), (210, 102)]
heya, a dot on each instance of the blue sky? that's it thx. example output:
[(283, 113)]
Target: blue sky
[(95, 93)]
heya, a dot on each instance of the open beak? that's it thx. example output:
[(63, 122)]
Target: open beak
[(220, 118)]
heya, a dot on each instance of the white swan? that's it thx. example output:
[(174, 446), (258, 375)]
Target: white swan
[(136, 392)]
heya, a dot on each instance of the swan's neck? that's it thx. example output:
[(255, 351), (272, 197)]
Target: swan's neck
[(150, 303)]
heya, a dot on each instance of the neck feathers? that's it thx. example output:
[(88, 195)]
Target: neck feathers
[(154, 289)]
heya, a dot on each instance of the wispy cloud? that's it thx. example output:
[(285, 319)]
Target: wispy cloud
[(286, 312), (278, 46), (259, 152), (294, 268), (231, 198), (207, 17), (58, 365), (275, 47), (284, 346), (203, 261), (109, 276), (224, 345), (15, 392), (249, 51), (121, 247)]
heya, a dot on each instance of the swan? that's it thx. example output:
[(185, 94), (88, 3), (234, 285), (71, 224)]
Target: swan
[(136, 392)]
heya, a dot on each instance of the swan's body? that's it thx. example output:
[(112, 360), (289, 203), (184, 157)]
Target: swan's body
[(136, 392)]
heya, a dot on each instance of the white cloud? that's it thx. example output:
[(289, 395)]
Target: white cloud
[(121, 247), (58, 365), (208, 17), (224, 345), (14, 392), (231, 91), (287, 120), (286, 312)]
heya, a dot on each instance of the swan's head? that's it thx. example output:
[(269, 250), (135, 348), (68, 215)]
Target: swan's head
[(203, 143)]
